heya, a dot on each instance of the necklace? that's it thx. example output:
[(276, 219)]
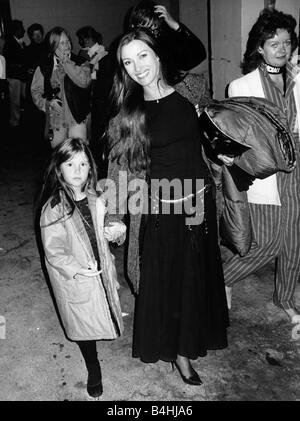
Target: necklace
[(274, 70), (162, 94)]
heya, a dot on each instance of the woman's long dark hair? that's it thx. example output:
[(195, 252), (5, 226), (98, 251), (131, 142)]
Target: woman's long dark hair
[(265, 28), (127, 132), (53, 181)]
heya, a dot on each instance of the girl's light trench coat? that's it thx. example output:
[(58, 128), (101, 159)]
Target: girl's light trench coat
[(89, 307)]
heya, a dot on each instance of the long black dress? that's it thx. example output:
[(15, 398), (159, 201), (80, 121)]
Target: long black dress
[(181, 307)]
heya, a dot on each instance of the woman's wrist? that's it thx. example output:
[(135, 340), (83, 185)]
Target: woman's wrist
[(179, 29), (175, 26)]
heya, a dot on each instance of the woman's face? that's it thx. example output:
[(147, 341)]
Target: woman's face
[(64, 45), (141, 63), (277, 51)]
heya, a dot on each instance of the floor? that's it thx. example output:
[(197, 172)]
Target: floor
[(37, 362)]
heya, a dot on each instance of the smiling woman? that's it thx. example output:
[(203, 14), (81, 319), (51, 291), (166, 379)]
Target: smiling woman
[(141, 63), (173, 256)]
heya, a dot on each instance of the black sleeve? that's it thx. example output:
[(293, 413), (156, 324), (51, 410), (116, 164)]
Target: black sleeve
[(100, 104), (15, 61), (186, 50)]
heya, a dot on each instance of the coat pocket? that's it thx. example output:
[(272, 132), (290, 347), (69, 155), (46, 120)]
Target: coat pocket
[(88, 314), (79, 290)]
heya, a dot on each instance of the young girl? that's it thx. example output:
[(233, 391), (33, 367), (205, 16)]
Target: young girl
[(79, 263)]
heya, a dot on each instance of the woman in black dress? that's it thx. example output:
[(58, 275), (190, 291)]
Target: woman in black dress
[(181, 307)]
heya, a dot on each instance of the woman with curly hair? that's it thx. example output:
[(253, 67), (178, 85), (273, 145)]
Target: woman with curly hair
[(269, 72)]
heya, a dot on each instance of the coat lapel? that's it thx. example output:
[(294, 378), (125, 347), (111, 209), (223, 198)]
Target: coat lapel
[(254, 84)]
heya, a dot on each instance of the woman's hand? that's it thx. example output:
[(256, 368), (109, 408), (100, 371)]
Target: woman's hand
[(164, 14), (227, 160)]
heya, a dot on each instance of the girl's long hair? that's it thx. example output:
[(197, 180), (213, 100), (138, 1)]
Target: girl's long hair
[(53, 181), (265, 28), (127, 132)]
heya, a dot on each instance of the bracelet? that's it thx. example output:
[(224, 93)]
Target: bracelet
[(180, 29)]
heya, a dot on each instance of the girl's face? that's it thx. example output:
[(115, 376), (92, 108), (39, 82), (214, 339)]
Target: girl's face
[(277, 51), (64, 46), (75, 171), (141, 63)]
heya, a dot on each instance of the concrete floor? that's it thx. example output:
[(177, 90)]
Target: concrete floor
[(37, 362)]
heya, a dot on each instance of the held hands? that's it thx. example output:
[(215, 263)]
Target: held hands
[(115, 232), (56, 105), (164, 14), (227, 160), (90, 272)]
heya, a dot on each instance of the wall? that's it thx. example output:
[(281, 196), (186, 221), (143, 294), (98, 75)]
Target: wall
[(289, 6), (250, 12), (226, 43), (193, 13), (105, 16)]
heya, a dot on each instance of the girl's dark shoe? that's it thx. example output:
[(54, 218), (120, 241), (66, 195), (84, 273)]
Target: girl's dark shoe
[(193, 379), (94, 382)]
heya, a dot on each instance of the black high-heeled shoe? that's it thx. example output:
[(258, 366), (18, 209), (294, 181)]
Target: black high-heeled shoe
[(94, 382), (193, 380)]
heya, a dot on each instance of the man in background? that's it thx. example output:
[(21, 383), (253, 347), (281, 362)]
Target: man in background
[(14, 53)]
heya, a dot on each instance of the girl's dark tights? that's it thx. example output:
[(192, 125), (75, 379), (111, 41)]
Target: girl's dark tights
[(89, 351)]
